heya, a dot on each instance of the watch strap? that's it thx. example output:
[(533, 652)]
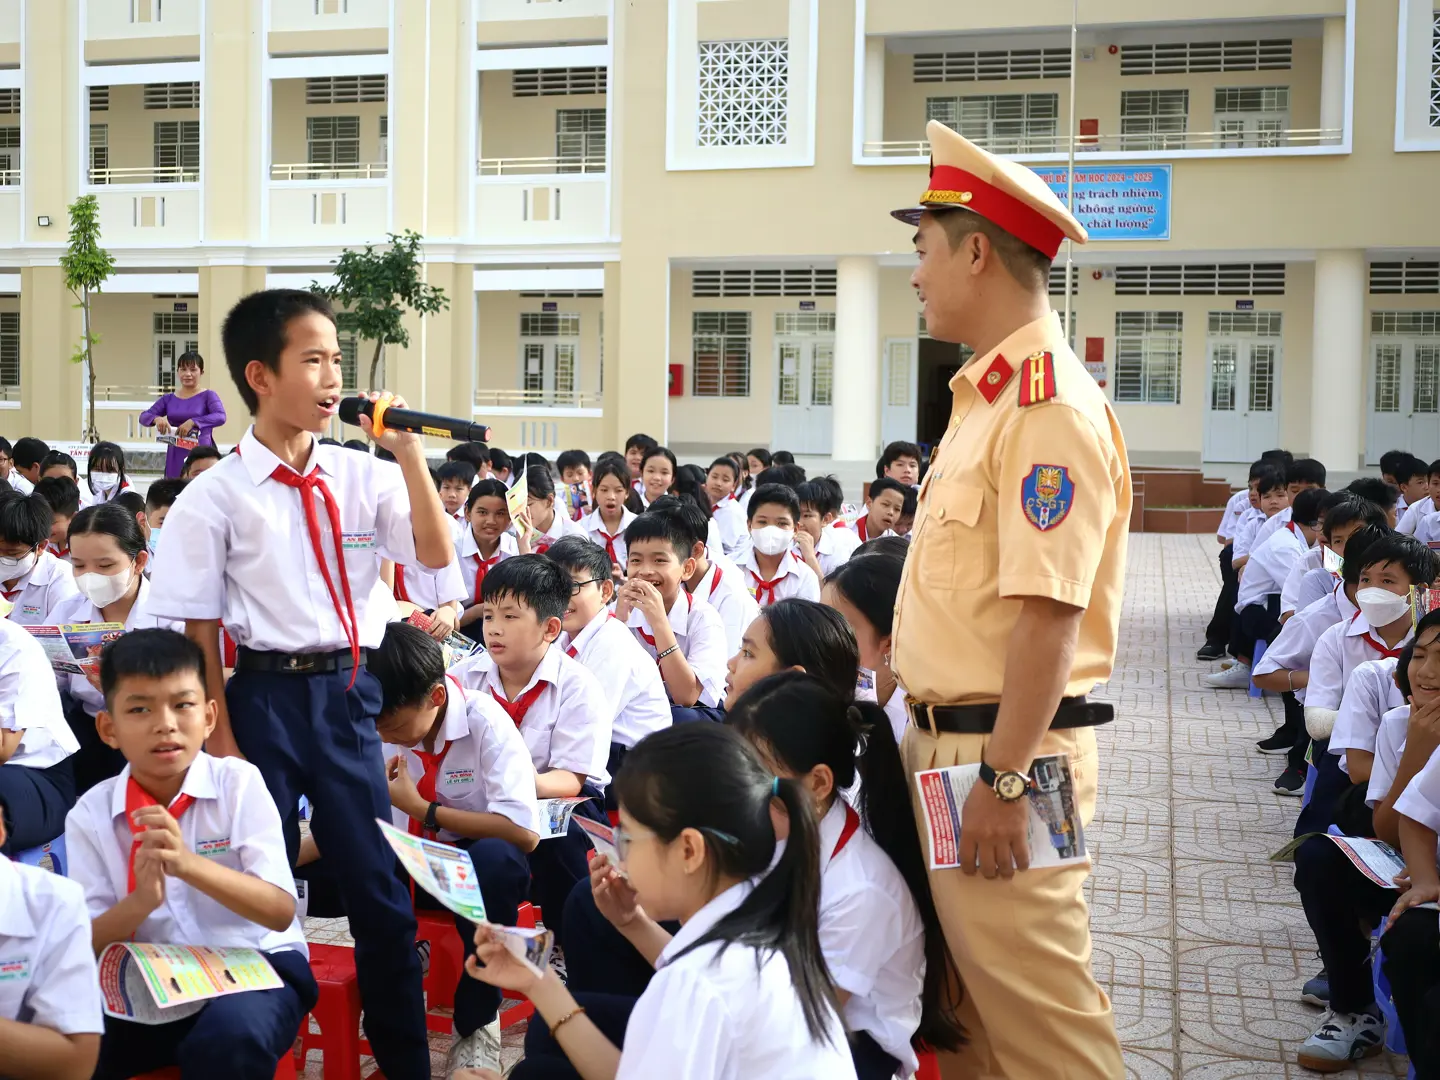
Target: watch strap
[(987, 775), (430, 824)]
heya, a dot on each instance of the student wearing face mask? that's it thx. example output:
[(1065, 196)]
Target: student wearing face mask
[(771, 568), (34, 581), (108, 557), (105, 475)]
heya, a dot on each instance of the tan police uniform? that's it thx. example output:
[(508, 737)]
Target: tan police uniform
[(1028, 494)]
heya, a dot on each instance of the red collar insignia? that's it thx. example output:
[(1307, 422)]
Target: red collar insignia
[(994, 379)]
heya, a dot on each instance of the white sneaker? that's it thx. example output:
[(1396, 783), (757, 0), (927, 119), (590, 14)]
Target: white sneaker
[(1235, 677), (478, 1050), (1341, 1039)]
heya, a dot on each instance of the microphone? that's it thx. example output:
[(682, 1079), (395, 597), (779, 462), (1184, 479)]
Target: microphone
[(384, 417)]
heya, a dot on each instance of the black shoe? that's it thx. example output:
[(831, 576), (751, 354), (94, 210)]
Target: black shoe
[(1282, 742), (1210, 651), (1291, 782)]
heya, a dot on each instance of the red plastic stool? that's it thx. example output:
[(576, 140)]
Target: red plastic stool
[(929, 1066), (526, 915), (337, 1012), (284, 1071), (447, 962)]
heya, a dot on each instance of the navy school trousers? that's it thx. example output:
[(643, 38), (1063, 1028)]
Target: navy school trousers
[(557, 864), (310, 735), (1410, 948), (34, 803), (504, 878), (239, 1037)]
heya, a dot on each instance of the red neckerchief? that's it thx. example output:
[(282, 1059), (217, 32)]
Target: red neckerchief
[(764, 590), (401, 593), (862, 528), (431, 764), (482, 566), (517, 709), (852, 825), (714, 584), (610, 538), (1379, 646), (308, 486), (648, 639), (137, 798), (838, 523), (1293, 530)]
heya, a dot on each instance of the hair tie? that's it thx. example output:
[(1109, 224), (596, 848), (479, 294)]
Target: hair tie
[(775, 786)]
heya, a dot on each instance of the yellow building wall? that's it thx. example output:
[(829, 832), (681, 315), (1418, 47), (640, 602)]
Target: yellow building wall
[(290, 114), (131, 127), (498, 337), (512, 127)]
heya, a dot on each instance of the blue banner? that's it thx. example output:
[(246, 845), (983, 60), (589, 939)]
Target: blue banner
[(1117, 202)]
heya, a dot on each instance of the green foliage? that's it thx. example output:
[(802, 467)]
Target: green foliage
[(86, 266)]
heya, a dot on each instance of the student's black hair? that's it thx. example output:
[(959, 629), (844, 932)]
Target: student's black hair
[(533, 580), (202, 453), (610, 466), (149, 654), (818, 495), (608, 455), (571, 459), (1430, 621), (817, 638), (500, 461), (455, 470), (661, 526), (61, 493), (910, 503), (690, 516), (690, 485), (640, 439), (761, 455), (870, 583), (1391, 459), (487, 488), (1420, 563), (1269, 481), (359, 445), (1408, 468), (1305, 508), (1435, 467), (1380, 492), (895, 546), (1259, 468), (59, 457), (776, 495), (533, 460), (1360, 542), (112, 520), (1346, 508), (476, 454), (728, 463), (893, 452), (29, 451), (408, 664), (6, 448), (661, 451), (381, 454), (327, 441), (882, 484), (580, 553), (164, 493), (798, 722), (782, 457), (25, 519), (792, 476), (190, 356), (1283, 457), (539, 482), (257, 328), (132, 501), (1305, 471), (104, 451), (707, 777)]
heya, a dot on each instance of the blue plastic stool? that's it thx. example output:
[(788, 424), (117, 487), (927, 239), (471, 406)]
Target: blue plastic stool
[(1310, 774), (55, 849), (1394, 1034), (1255, 691)]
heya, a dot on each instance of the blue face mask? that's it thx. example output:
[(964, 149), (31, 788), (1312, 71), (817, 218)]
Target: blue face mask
[(154, 542)]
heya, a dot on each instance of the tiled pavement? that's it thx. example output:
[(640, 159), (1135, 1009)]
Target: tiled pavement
[(1199, 940)]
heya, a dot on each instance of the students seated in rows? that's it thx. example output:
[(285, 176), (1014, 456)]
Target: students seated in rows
[(715, 581), (686, 637), (1343, 514), (483, 545), (459, 771), (722, 481), (900, 461), (658, 468), (1301, 474), (864, 591), (606, 524), (63, 498), (548, 521), (159, 498), (822, 538), (34, 581), (773, 571), (1217, 631), (884, 503), (186, 849), (1422, 508), (454, 479), (1412, 477), (559, 707), (1271, 497)]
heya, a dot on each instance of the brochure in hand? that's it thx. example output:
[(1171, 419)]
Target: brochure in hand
[(555, 815), (456, 645), (74, 648), (532, 947), (443, 871), (157, 984), (602, 837), (180, 442)]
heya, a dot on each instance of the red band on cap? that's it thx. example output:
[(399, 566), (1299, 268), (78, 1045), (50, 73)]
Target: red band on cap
[(950, 186)]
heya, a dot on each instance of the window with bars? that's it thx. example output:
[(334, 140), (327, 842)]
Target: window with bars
[(721, 354), (1201, 279), (804, 323), (1425, 394), (762, 282), (333, 140), (579, 138), (549, 324), (1405, 323), (180, 95), (1245, 323), (9, 156), (1154, 119), (1147, 356), (1001, 123), (177, 151), (897, 386), (345, 89), (1435, 73), (175, 334), (99, 153), (99, 99), (10, 349), (1388, 360), (349, 362), (555, 82), (1262, 378), (10, 102), (1057, 280), (385, 137), (1404, 277), (744, 93), (1252, 116), (1196, 57), (999, 65)]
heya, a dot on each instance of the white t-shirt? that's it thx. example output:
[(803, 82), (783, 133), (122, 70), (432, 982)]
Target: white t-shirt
[(1389, 746), (1293, 648)]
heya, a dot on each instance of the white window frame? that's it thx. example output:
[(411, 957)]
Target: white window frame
[(177, 146), (727, 335), (580, 140), (326, 144), (1146, 123), (1002, 123), (1151, 344)]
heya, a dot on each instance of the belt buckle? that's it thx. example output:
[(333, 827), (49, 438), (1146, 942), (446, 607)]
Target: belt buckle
[(926, 711), (299, 663)]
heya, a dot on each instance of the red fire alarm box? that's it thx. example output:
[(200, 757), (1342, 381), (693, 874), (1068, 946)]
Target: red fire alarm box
[(677, 380), (1089, 132)]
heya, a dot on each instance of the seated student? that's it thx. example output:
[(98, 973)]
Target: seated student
[(1302, 474), (883, 504), (657, 474), (454, 479), (1412, 477), (199, 460), (441, 594), (908, 509), (863, 590), (63, 497), (900, 461), (105, 472), (482, 546), (1378, 492), (574, 469), (26, 458), (772, 570), (627, 674), (690, 486), (1217, 632), (502, 468), (742, 990), (37, 777), (606, 524), (133, 842), (1417, 511), (58, 464), (1371, 693), (1409, 734), (1271, 497), (31, 578), (715, 582), (474, 454), (1341, 514), (636, 447), (546, 521), (159, 498), (823, 547), (51, 1017), (756, 462), (555, 701), (1388, 462), (686, 639), (721, 483), (459, 771)]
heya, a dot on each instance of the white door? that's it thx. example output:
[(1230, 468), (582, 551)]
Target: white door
[(547, 372), (804, 394), (897, 392), (1242, 418), (170, 345), (1404, 396)]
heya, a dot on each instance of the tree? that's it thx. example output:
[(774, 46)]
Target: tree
[(86, 266), (376, 288)]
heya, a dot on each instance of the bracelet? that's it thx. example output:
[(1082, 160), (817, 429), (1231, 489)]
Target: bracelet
[(558, 1024), (667, 652), (1290, 678)]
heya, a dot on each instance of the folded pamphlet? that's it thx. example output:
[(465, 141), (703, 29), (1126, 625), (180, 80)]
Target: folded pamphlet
[(157, 984), (531, 947), (602, 837), (1376, 859), (456, 645), (442, 870), (555, 815), (180, 442), (74, 648)]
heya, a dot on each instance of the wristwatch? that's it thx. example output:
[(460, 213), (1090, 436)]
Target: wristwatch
[(1008, 785), (430, 823)]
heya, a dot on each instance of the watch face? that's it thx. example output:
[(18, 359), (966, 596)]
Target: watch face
[(1010, 786)]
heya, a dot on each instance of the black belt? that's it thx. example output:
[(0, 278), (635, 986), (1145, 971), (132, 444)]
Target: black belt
[(305, 663), (1074, 712)]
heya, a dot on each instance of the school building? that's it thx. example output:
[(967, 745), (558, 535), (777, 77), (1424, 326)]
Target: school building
[(672, 215)]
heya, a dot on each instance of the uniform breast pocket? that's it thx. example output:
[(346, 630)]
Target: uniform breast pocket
[(14, 982), (957, 551)]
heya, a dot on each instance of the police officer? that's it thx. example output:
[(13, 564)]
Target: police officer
[(1009, 610)]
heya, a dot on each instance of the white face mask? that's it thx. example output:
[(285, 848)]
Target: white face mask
[(102, 590), (1381, 607), (104, 480), (12, 569), (772, 539)]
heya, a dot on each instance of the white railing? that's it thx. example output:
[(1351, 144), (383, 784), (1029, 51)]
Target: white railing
[(540, 399), (1127, 143), (526, 166), (320, 171), (9, 177), (130, 393), (10, 393), (164, 174)]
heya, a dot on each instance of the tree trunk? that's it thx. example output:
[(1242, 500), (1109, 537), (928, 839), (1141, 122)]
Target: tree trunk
[(92, 434), (375, 365)]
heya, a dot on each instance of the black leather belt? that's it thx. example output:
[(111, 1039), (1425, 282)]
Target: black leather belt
[(1074, 712), (305, 663)]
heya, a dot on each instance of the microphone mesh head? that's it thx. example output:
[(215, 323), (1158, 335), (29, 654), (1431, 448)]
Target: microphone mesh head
[(350, 410)]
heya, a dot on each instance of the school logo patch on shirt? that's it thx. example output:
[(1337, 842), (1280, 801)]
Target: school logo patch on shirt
[(1047, 495), (29, 611), (13, 970), (211, 849), (358, 541), (460, 777)]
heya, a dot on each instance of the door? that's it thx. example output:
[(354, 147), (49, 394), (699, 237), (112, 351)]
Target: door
[(173, 336), (548, 372), (1404, 397), (1242, 420), (804, 394), (897, 409)]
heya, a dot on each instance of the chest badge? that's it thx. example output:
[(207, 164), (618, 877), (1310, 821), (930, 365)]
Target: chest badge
[(1046, 496)]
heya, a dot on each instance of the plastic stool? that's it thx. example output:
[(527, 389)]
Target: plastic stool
[(284, 1071), (55, 849), (929, 1066), (1255, 691), (447, 962), (526, 915), (337, 1012)]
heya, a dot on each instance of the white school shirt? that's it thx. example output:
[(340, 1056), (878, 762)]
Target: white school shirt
[(467, 556), (723, 588), (1420, 801), (1340, 650), (834, 548), (793, 578), (1427, 529), (743, 499), (561, 525), (1269, 566), (1311, 559), (1293, 648), (236, 547), (593, 526), (627, 674), (1414, 514), (20, 482), (729, 519), (701, 637), (1369, 694), (47, 967), (568, 726), (1245, 531), (871, 935), (232, 821), (1269, 526), (1400, 504), (30, 702), (487, 767), (1234, 508), (726, 1014), (428, 589), (40, 592), (1389, 746)]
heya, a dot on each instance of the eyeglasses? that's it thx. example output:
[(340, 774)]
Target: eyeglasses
[(576, 586), (622, 843)]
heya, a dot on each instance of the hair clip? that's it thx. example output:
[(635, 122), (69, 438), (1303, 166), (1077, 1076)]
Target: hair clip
[(775, 786)]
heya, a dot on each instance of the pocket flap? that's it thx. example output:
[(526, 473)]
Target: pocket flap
[(957, 502)]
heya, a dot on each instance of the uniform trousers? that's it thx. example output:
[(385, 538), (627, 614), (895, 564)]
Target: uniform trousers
[(1342, 906), (1021, 947), (1255, 623), (1218, 632), (34, 802), (1334, 799), (504, 878), (239, 1037), (557, 864), (310, 735), (1410, 948)]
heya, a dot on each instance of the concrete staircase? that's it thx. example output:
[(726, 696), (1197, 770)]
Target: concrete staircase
[(1176, 500)]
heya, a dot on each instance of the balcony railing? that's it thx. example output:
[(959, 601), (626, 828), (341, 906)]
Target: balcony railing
[(320, 171), (542, 399), (9, 177), (530, 166), (134, 393), (163, 174), (10, 390), (1126, 143)]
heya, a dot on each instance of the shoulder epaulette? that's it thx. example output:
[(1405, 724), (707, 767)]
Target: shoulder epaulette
[(1037, 378)]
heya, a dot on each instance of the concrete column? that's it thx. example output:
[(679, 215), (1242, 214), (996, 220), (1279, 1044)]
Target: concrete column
[(1332, 77), (232, 97), (610, 372), (855, 415), (220, 288), (1337, 376), (638, 372), (874, 89)]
